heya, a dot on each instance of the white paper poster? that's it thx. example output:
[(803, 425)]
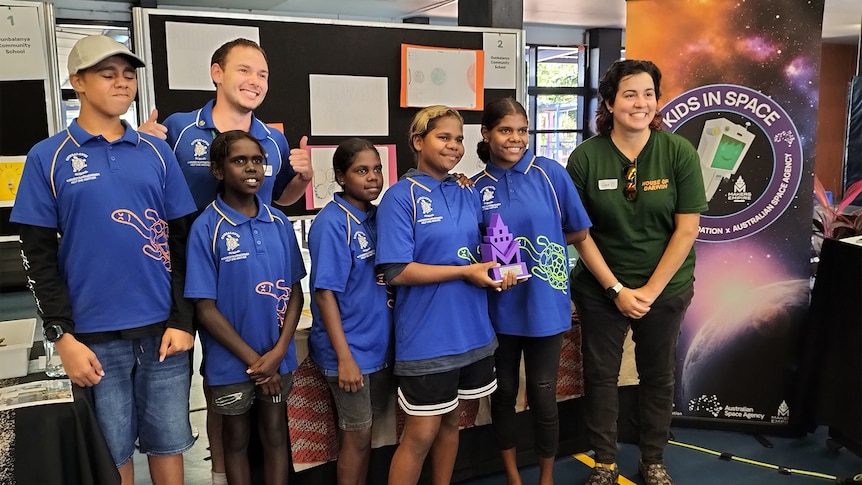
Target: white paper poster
[(349, 105), (442, 76), (470, 164), (190, 48), (22, 45), (500, 61)]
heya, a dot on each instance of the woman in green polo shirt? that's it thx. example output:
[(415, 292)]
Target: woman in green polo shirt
[(643, 190)]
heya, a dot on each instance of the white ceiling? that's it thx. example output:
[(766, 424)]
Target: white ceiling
[(842, 19), (841, 23)]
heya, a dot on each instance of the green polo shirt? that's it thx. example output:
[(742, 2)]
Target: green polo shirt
[(632, 235)]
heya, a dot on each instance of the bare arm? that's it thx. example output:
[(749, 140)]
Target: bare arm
[(427, 274), (300, 162), (627, 302), (349, 374), (674, 255), (221, 329), (577, 236)]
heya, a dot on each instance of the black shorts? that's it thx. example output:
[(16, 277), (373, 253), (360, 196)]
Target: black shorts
[(438, 394)]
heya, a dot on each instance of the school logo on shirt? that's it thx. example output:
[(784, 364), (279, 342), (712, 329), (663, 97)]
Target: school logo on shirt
[(231, 245), (201, 148), (428, 216), (78, 161), (488, 202), (364, 245)]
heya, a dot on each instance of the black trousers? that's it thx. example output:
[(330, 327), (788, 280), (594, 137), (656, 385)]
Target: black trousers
[(541, 364), (655, 335)]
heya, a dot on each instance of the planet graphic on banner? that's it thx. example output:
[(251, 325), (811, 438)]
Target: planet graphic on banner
[(744, 350)]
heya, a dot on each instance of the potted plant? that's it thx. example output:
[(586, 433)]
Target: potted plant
[(833, 221)]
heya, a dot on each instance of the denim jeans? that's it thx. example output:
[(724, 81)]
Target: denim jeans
[(655, 335), (142, 398), (541, 363)]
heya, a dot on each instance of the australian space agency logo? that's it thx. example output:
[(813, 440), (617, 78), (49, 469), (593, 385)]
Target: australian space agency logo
[(750, 156), (427, 209), (200, 148), (78, 161)]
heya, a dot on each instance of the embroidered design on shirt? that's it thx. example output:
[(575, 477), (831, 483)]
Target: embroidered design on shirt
[(364, 245), (488, 202), (278, 290), (78, 161), (425, 205), (550, 261), (428, 215), (231, 241), (201, 147), (231, 245), (155, 232)]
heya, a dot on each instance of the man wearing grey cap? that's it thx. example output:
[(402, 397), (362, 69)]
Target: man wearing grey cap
[(106, 294)]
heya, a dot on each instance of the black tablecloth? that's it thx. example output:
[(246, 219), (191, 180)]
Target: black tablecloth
[(55, 443), (832, 369)]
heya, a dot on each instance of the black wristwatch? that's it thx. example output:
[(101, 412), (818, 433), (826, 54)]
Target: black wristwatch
[(614, 291), (54, 332)]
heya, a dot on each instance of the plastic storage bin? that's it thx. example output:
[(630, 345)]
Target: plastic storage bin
[(15, 348)]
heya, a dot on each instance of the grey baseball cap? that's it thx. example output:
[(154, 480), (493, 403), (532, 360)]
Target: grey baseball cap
[(93, 49)]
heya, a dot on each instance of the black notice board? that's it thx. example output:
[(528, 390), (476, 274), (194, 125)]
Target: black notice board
[(23, 123), (296, 49)]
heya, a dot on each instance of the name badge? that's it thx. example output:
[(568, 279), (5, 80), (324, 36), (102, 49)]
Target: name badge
[(268, 171), (608, 184)]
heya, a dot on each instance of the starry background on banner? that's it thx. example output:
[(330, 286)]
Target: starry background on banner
[(773, 47)]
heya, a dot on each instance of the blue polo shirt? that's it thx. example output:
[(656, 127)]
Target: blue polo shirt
[(538, 201), (190, 136), (342, 242), (110, 201), (423, 220), (248, 266)]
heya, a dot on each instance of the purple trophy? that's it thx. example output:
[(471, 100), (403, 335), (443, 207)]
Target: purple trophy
[(501, 247)]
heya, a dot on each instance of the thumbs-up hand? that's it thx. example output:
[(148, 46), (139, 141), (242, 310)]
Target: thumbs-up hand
[(300, 160), (153, 127)]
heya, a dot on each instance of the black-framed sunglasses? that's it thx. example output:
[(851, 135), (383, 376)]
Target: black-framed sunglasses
[(630, 174)]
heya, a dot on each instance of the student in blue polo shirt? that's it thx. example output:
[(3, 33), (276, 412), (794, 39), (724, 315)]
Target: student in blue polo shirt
[(244, 274), (428, 236), (240, 74), (351, 337), (536, 199), (110, 294)]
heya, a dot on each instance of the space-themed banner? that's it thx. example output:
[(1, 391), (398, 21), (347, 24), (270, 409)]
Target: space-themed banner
[(740, 81)]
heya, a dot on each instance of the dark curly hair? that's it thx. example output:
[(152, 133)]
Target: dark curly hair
[(609, 85)]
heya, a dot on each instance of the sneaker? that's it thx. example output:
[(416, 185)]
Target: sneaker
[(603, 476), (654, 473)]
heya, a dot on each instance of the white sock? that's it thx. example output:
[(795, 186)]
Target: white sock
[(219, 478)]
